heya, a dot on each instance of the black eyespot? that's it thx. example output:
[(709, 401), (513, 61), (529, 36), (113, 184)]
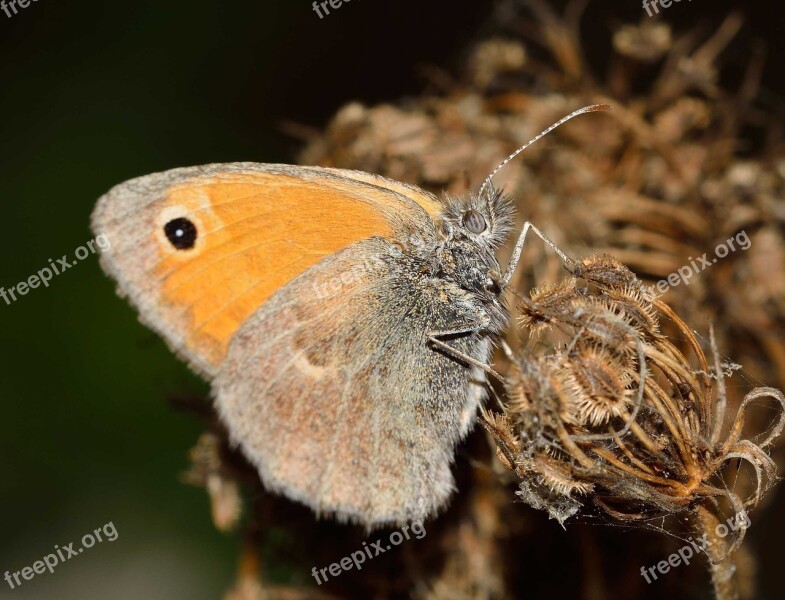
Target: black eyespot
[(181, 233), (474, 221)]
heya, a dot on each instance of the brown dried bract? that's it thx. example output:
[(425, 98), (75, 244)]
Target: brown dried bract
[(611, 414)]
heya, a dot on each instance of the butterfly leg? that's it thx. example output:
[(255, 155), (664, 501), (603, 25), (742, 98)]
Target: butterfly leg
[(516, 255), (508, 352), (433, 337)]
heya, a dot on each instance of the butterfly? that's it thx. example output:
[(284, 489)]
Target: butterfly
[(344, 320)]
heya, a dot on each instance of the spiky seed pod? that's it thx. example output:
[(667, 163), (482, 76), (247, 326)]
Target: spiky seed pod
[(603, 388), (545, 299), (631, 433)]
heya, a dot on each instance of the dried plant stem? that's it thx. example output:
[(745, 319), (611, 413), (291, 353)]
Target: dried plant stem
[(719, 554), (248, 585)]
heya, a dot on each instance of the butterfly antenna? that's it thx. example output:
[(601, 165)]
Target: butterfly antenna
[(580, 111)]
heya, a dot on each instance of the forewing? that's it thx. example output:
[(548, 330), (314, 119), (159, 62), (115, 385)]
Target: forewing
[(258, 227)]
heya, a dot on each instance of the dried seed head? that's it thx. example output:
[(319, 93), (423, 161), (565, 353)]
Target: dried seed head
[(646, 43), (605, 272), (603, 324), (603, 386), (547, 301), (557, 478), (495, 57), (617, 415)]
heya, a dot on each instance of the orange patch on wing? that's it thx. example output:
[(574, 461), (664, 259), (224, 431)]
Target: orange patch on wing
[(255, 234)]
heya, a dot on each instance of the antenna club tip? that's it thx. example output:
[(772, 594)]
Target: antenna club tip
[(598, 107)]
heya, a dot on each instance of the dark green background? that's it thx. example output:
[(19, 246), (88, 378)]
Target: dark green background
[(94, 93)]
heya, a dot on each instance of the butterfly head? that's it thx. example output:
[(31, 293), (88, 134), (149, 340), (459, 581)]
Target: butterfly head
[(483, 222), (473, 227)]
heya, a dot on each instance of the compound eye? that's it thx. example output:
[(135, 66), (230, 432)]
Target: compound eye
[(474, 221)]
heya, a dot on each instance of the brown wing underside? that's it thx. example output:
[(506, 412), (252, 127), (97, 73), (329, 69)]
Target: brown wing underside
[(340, 402)]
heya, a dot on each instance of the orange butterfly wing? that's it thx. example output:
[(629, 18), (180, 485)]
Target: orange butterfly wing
[(258, 226)]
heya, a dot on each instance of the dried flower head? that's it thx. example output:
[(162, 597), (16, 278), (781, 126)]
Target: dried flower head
[(611, 413), (646, 43)]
